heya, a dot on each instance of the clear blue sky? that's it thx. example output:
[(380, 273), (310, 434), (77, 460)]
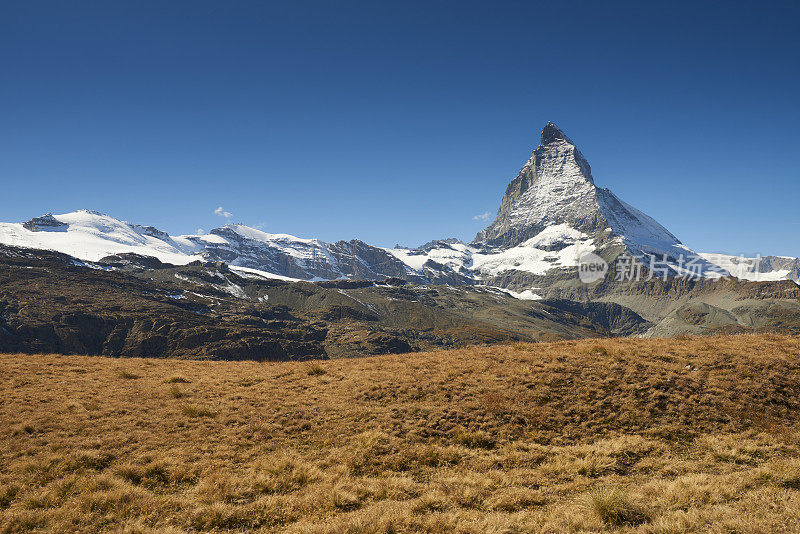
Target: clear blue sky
[(399, 122)]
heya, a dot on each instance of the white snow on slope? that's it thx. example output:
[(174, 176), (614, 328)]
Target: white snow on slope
[(563, 190), (638, 230), (529, 256), (264, 237), (555, 235), (746, 268), (247, 272), (91, 235), (527, 294), (454, 255)]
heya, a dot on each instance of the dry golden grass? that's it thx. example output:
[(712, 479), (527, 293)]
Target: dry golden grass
[(652, 436)]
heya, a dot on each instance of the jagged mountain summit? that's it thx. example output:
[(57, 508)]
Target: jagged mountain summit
[(555, 187), (551, 215)]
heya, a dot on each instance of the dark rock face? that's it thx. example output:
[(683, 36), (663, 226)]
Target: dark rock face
[(551, 133), (45, 223), (357, 259), (152, 231), (48, 303), (440, 243), (346, 284), (131, 260), (437, 273), (617, 319), (308, 259)]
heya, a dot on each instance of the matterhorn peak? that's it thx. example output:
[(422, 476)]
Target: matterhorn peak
[(555, 186), (552, 134), (555, 189)]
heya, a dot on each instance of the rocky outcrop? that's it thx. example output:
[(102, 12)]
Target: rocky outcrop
[(555, 188), (771, 264), (48, 304), (129, 260), (617, 319), (356, 259), (46, 223), (304, 259), (51, 303)]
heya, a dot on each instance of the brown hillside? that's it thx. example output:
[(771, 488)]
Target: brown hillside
[(679, 435)]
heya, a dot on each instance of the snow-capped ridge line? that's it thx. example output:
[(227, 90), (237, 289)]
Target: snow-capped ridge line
[(551, 213)]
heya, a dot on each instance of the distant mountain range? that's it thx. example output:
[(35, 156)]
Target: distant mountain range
[(85, 282), (550, 215)]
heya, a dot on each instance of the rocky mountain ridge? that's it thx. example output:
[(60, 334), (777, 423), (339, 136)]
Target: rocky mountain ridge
[(551, 215), (85, 282), (136, 306)]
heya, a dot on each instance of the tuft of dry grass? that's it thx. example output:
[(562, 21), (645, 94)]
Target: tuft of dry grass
[(315, 369), (177, 379), (193, 410), (614, 507), (645, 436), (127, 375)]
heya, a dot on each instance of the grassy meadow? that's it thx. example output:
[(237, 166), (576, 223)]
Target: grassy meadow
[(696, 434)]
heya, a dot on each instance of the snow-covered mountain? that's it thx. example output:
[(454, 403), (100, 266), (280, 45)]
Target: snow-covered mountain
[(555, 188), (93, 236), (551, 215), (759, 268), (554, 194)]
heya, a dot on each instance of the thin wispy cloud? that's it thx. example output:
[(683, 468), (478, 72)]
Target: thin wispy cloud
[(200, 231), (481, 216), (222, 213)]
